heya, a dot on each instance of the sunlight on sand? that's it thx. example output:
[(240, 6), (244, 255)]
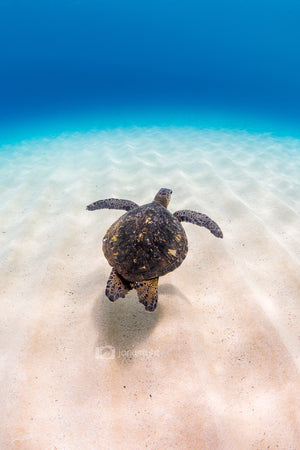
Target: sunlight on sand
[(216, 366)]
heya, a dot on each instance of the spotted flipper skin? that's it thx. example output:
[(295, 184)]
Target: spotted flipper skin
[(112, 203), (199, 219), (147, 293), (117, 286)]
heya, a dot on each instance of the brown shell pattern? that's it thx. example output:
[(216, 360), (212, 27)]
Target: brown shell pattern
[(146, 242)]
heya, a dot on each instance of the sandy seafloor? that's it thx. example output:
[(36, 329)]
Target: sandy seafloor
[(216, 366)]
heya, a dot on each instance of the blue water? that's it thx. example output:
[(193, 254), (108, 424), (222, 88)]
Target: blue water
[(74, 64)]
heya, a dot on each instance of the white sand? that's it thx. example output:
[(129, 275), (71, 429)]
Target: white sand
[(217, 365)]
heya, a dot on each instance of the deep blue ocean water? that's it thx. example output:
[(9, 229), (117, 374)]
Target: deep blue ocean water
[(70, 65)]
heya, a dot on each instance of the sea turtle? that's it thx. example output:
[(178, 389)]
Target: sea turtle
[(145, 243)]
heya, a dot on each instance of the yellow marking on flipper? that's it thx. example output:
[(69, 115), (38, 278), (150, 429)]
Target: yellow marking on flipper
[(172, 252)]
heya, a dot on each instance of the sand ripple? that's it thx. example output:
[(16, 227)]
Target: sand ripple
[(218, 363)]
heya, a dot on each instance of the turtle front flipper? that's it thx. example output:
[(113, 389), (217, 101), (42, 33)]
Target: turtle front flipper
[(147, 293), (112, 203), (117, 286), (199, 219)]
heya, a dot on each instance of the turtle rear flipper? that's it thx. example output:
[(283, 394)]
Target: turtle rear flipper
[(147, 293), (112, 203), (117, 286), (197, 218)]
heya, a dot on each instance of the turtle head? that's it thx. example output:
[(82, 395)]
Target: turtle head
[(163, 197)]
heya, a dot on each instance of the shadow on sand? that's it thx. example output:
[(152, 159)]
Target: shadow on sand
[(124, 324)]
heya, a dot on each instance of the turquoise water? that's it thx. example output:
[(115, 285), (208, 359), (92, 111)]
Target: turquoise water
[(53, 125), (72, 65)]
